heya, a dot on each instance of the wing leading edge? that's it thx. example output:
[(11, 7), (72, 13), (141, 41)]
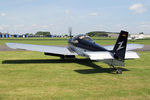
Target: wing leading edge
[(41, 48)]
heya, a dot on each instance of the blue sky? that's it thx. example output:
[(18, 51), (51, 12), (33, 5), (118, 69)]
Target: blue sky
[(21, 16)]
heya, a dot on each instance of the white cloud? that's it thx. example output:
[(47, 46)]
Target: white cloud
[(121, 27), (34, 25), (51, 25), (145, 25), (67, 12), (45, 26), (4, 27), (1, 28), (138, 8), (69, 15), (100, 26), (94, 14), (19, 26), (3, 14)]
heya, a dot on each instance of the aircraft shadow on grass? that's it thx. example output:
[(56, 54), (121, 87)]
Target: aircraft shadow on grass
[(86, 62)]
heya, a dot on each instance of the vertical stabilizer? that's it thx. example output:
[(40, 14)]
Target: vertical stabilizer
[(120, 46)]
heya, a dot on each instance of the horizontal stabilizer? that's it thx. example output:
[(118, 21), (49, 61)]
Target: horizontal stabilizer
[(99, 55), (131, 55), (108, 55), (129, 46)]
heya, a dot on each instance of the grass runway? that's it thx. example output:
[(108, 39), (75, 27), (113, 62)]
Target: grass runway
[(27, 75)]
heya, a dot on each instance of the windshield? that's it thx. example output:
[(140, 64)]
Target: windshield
[(81, 37)]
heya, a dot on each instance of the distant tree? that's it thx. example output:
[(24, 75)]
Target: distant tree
[(43, 33), (98, 33), (91, 34), (141, 33), (66, 35), (29, 34), (129, 35)]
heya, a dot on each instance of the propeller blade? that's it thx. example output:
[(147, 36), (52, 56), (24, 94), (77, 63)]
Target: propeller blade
[(70, 32)]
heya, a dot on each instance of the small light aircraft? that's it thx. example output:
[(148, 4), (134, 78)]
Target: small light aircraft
[(140, 36), (83, 45)]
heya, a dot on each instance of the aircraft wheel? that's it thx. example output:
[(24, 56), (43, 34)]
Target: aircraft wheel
[(118, 71)]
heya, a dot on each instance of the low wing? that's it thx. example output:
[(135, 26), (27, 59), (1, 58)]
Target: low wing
[(108, 55), (129, 46), (41, 48)]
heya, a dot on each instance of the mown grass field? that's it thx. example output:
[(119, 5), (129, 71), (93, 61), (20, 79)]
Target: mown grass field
[(26, 75)]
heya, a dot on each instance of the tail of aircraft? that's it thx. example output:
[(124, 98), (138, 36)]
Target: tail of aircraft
[(120, 46)]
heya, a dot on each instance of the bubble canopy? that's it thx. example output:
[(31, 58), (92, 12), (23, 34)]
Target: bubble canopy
[(85, 42), (81, 37)]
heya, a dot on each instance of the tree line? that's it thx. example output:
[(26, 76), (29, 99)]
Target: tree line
[(42, 33), (99, 33)]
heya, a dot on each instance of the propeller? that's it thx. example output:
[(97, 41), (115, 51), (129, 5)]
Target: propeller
[(70, 32)]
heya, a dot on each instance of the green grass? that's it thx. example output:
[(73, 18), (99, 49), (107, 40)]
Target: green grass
[(26, 75), (36, 41)]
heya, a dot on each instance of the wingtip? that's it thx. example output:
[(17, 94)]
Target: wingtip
[(9, 45)]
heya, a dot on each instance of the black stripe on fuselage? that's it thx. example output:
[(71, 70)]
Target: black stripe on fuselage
[(88, 45)]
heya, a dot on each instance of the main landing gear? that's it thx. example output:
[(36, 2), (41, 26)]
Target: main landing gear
[(118, 71)]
